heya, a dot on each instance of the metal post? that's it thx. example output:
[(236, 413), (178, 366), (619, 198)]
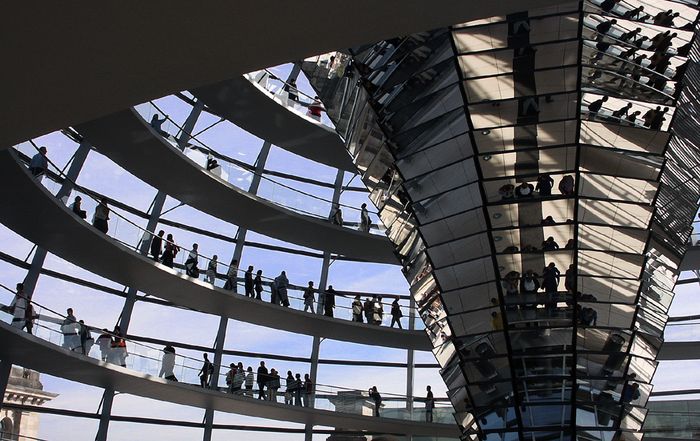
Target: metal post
[(107, 400), (223, 321), (190, 122), (316, 346), (410, 362), (76, 165), (5, 370)]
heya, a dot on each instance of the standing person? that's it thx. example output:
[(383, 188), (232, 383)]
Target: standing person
[(238, 380), (205, 371), (232, 275), (297, 390), (18, 307), (101, 216), (550, 278), (157, 245), (29, 316), (396, 313), (229, 377), (262, 380), (567, 185), (308, 390), (377, 398), (211, 269), (377, 311), (309, 298), (281, 283), (337, 216), (76, 207), (86, 340), (191, 268), (257, 282), (167, 364), (329, 301), (249, 380), (273, 385), (39, 164), (429, 405), (69, 328), (368, 309), (289, 388), (119, 347), (104, 341), (357, 310), (171, 250), (249, 283), (570, 279), (365, 222), (544, 184)]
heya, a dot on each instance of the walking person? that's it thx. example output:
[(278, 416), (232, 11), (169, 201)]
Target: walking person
[(365, 222), (39, 164), (191, 268), (289, 389), (157, 245), (262, 380), (273, 385), (329, 301), (281, 283), (104, 341), (171, 250), (101, 216), (211, 269), (69, 329), (396, 314), (376, 398), (429, 405), (232, 275), (86, 340), (167, 364), (204, 373), (229, 377), (357, 310), (257, 282), (309, 298), (249, 283), (249, 380)]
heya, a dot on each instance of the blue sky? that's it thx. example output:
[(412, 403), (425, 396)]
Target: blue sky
[(152, 320)]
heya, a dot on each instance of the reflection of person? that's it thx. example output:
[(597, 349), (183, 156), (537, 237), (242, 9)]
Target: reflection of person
[(39, 164), (77, 209), (157, 124), (365, 222)]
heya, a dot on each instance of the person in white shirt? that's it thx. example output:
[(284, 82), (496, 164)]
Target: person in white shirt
[(211, 269), (168, 364)]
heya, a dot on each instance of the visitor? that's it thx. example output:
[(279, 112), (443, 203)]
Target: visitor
[(257, 282), (101, 216), (604, 27), (309, 298), (378, 311), (298, 384), (249, 380), (273, 385), (549, 244), (396, 314), (157, 124), (621, 112), (544, 184), (86, 340), (118, 351), (357, 310), (248, 282), (30, 316), (376, 398), (262, 380), (238, 380), (524, 190), (206, 370), (608, 5), (570, 279), (39, 164), (76, 207), (211, 269), (566, 185), (18, 307), (658, 119), (548, 221), (315, 109), (329, 301), (289, 389), (229, 377), (550, 278), (308, 390), (365, 222), (157, 245), (167, 364), (69, 329), (171, 250), (368, 309), (595, 106), (429, 405), (192, 261), (281, 282), (507, 191), (529, 283), (232, 275), (104, 342), (630, 392), (337, 216)]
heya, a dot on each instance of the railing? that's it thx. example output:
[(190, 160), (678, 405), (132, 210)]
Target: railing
[(239, 175), (126, 231), (54, 328)]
